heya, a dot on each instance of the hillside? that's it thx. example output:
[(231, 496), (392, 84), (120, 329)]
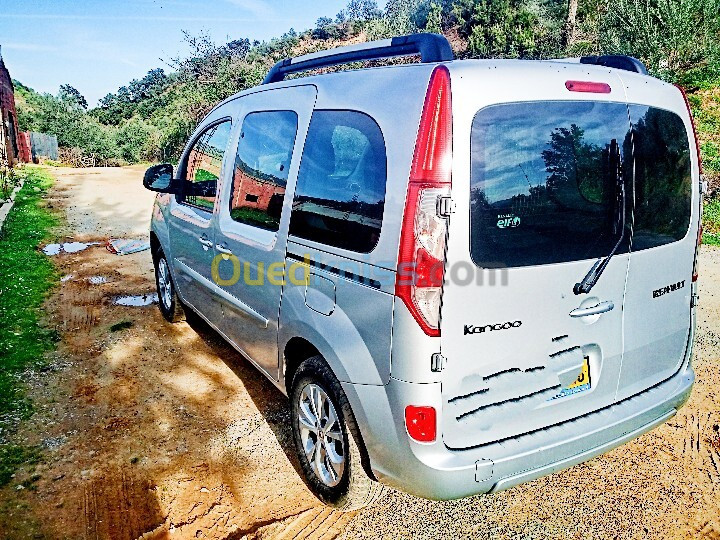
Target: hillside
[(150, 118)]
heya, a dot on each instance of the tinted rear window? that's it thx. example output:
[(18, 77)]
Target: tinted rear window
[(340, 194), (663, 184), (543, 186)]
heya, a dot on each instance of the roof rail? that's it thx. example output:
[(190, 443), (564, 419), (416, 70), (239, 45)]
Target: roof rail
[(618, 61), (430, 47)]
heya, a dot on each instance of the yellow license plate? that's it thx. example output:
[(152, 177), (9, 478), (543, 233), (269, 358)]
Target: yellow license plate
[(581, 384)]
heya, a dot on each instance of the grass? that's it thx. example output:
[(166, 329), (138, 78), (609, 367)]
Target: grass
[(27, 276), (13, 456), (711, 222)]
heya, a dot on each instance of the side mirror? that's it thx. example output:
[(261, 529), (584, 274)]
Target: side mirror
[(159, 178)]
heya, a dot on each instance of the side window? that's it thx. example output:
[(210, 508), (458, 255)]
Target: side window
[(663, 184), (261, 168), (203, 166), (340, 194)]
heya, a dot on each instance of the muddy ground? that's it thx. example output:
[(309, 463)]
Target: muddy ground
[(152, 430)]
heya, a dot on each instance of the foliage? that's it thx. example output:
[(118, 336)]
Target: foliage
[(711, 217), (505, 29), (142, 97), (152, 117), (72, 96), (8, 181), (677, 39), (136, 141), (398, 19), (28, 275), (64, 116)]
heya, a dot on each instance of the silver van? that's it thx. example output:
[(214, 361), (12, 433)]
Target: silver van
[(464, 274)]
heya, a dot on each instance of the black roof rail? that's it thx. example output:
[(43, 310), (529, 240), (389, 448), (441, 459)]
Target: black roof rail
[(618, 61), (430, 47)]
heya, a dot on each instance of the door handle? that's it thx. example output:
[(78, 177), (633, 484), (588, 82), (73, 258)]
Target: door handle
[(205, 242), (597, 309), (222, 249)]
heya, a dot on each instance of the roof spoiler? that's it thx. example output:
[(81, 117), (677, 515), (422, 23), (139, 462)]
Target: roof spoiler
[(617, 61), (431, 48)]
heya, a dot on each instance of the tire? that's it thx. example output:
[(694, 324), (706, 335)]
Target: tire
[(345, 486), (170, 305)]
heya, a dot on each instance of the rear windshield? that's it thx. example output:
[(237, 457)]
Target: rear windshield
[(543, 186), (544, 181)]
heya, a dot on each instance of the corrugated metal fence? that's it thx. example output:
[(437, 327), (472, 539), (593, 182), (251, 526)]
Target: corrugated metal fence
[(43, 145)]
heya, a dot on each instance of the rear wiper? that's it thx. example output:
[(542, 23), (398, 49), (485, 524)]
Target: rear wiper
[(593, 275)]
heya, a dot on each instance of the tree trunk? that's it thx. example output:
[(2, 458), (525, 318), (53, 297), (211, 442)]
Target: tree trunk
[(570, 23)]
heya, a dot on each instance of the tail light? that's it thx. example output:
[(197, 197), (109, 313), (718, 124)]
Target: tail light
[(420, 423), (421, 258), (697, 149)]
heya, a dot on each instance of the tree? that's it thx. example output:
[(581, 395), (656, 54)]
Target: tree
[(504, 29), (72, 95), (362, 10), (570, 22), (677, 39)]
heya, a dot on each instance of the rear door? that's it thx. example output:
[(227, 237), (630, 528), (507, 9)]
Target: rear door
[(666, 214), (539, 205)]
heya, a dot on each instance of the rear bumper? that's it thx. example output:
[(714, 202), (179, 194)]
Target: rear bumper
[(433, 471)]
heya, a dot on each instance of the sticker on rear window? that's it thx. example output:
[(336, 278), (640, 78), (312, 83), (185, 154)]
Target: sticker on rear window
[(506, 221)]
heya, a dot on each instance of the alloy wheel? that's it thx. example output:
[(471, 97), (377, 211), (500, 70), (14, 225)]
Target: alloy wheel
[(321, 435)]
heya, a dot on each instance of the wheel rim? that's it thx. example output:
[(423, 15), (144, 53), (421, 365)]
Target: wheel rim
[(321, 435), (164, 284)]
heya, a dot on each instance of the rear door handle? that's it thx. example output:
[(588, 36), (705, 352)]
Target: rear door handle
[(205, 242), (597, 309), (222, 249)]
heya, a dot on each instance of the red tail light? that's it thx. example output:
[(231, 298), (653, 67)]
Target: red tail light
[(587, 86), (421, 259), (420, 423)]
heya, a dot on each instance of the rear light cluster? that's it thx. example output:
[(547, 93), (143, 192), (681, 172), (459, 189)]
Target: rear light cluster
[(421, 260), (699, 158), (421, 423)]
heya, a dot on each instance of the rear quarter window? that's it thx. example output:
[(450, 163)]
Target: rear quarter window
[(340, 194)]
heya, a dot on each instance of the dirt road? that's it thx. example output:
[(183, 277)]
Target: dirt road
[(163, 431)]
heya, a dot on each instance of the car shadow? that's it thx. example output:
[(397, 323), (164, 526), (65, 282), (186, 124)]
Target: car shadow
[(269, 400)]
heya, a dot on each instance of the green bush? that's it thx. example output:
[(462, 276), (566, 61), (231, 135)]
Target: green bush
[(677, 39)]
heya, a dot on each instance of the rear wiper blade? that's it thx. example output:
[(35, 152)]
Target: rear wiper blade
[(593, 275)]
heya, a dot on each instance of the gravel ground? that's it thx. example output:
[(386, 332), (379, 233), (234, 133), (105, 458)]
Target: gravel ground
[(154, 430)]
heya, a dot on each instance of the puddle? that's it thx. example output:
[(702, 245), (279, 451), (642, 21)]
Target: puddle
[(92, 280), (138, 300), (67, 247)]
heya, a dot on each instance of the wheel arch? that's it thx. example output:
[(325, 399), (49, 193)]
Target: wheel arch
[(298, 349)]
